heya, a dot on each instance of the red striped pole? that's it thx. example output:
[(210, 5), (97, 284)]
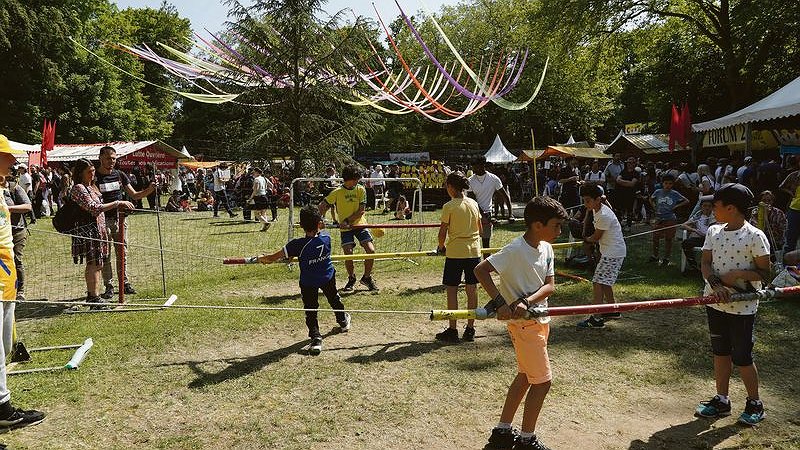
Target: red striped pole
[(482, 313)]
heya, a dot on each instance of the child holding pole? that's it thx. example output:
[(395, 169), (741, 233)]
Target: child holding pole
[(735, 258), (526, 271), (461, 227), (316, 272)]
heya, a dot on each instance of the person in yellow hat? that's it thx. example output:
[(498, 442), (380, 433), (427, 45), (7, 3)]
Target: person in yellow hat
[(10, 417)]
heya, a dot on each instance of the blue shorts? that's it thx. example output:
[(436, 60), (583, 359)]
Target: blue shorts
[(349, 237), (454, 267)]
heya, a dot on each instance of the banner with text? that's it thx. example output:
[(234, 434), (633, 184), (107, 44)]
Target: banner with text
[(148, 156), (420, 156)]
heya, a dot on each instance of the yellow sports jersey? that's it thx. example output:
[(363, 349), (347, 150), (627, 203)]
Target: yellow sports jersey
[(6, 237), (463, 235), (347, 201)]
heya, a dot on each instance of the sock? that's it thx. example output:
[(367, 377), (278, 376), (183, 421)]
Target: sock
[(724, 398), (503, 426), (525, 436)]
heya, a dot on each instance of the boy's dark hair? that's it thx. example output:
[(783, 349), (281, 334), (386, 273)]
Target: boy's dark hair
[(107, 149), (351, 173), (542, 209), (668, 177), (591, 190), (310, 218), (738, 195), (458, 181)]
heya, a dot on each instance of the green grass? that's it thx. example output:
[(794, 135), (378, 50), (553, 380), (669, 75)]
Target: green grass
[(191, 379)]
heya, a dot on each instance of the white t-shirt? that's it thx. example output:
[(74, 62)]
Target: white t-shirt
[(735, 250), (259, 186), (484, 186), (611, 243), (189, 177), (598, 177), (523, 269), (221, 176), (177, 184), (376, 174)]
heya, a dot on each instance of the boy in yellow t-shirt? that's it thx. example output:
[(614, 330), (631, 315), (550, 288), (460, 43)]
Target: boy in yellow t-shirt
[(350, 201), (461, 224)]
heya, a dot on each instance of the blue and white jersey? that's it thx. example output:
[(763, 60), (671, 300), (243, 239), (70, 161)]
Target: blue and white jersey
[(314, 255)]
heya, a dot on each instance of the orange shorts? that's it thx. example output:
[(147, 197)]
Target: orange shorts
[(530, 345), (8, 274)]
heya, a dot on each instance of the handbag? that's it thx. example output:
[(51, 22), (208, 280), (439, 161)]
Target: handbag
[(70, 216)]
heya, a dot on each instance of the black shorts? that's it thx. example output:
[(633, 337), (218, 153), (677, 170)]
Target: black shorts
[(454, 267), (732, 335)]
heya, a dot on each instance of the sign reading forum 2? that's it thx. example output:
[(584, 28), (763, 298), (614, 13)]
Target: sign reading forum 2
[(148, 156)]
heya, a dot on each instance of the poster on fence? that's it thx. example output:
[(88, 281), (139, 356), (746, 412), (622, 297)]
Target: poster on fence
[(148, 155), (420, 156)]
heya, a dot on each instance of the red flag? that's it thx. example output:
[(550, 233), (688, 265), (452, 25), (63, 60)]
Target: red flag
[(686, 126), (48, 141), (674, 128)]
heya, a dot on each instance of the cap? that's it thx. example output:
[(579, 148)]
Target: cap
[(748, 158), (737, 195)]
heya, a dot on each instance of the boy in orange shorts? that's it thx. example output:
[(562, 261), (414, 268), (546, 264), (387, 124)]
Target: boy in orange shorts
[(526, 271)]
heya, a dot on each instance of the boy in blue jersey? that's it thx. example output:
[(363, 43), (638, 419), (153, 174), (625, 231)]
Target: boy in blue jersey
[(313, 252)]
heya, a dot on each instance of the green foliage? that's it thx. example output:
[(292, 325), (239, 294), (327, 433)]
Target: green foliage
[(46, 76)]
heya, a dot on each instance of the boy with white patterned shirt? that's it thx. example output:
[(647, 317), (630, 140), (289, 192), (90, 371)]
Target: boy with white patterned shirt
[(735, 258)]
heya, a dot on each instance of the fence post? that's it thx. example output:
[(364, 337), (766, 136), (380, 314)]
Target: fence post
[(161, 253), (120, 249)]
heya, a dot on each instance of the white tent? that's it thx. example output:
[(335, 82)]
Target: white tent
[(498, 153), (784, 102)]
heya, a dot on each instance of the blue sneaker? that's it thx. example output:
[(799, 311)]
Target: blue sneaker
[(753, 413), (713, 408)]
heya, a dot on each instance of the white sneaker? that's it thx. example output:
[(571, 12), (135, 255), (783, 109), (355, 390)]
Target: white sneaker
[(316, 346), (345, 327)]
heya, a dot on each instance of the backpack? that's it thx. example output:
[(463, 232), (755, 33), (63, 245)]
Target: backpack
[(70, 216)]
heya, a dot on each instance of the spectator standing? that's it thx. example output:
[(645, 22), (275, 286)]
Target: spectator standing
[(92, 246), (570, 180), (258, 197), (244, 190), (191, 187), (775, 226), (595, 175), (18, 204), (111, 183), (378, 186), (791, 186), (625, 191), (483, 185), (611, 173), (221, 175)]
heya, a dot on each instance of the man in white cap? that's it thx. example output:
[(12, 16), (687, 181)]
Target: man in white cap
[(10, 417)]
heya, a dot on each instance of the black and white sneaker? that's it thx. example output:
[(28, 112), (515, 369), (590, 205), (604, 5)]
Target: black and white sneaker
[(108, 293), (344, 327), (448, 335), (100, 304), (713, 408), (129, 290), (316, 346), (369, 282), (351, 281), (592, 322), (612, 315), (469, 334), (502, 438), (17, 418), (533, 443)]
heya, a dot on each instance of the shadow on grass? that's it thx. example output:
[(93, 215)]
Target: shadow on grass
[(280, 299), (437, 289), (239, 367), (28, 311), (398, 351), (231, 222), (699, 433)]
